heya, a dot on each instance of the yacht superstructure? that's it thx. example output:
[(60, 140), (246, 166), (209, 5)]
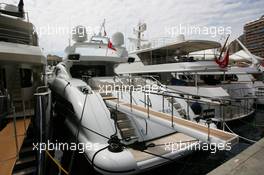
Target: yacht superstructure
[(179, 66)]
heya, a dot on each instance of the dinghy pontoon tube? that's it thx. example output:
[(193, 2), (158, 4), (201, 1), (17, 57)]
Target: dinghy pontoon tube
[(125, 141)]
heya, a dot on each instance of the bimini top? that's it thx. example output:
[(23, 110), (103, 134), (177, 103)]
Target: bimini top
[(184, 47), (167, 53), (171, 58), (140, 68)]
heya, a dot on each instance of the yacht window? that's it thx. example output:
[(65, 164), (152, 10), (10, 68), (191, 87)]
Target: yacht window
[(231, 77), (258, 76), (78, 71), (211, 79), (26, 78), (2, 79)]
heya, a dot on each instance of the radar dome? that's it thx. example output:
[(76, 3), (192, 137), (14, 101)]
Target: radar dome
[(118, 39), (79, 34)]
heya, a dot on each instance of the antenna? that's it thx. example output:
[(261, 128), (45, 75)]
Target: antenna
[(138, 32), (70, 32), (101, 28)]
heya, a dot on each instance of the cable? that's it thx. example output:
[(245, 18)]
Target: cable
[(96, 154), (249, 140), (68, 83), (57, 163), (176, 142), (95, 132)]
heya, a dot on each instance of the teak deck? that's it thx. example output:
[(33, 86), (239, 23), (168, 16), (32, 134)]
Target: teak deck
[(8, 144), (198, 127), (216, 133), (172, 140)]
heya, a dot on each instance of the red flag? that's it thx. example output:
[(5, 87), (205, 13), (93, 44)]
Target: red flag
[(262, 63), (223, 63), (110, 45)]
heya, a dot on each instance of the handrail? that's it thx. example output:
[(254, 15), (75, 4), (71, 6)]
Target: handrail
[(225, 103), (178, 91)]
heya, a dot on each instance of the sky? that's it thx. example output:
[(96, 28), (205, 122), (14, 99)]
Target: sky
[(163, 18)]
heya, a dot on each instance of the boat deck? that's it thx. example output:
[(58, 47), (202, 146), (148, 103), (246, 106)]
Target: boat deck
[(216, 133), (164, 146), (8, 144)]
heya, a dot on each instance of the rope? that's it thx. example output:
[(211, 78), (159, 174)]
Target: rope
[(249, 140), (57, 163)]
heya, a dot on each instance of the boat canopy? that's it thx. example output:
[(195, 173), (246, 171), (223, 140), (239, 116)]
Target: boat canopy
[(139, 68), (167, 53)]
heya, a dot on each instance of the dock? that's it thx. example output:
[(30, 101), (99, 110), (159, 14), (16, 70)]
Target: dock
[(8, 150), (248, 162)]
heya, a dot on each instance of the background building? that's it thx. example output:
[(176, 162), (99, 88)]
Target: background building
[(53, 60), (254, 36)]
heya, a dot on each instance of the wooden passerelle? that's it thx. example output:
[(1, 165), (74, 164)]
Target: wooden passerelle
[(8, 152)]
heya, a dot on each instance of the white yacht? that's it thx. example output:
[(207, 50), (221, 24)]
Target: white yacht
[(178, 66), (22, 70), (128, 138), (249, 68)]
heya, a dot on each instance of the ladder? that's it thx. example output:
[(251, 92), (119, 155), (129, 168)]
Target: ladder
[(125, 126)]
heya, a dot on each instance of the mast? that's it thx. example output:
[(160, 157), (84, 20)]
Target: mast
[(138, 31), (101, 28)]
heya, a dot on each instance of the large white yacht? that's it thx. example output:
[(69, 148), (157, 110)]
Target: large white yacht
[(129, 137), (22, 69), (186, 66)]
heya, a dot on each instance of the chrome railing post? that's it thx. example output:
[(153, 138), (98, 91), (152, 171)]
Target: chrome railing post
[(146, 127), (188, 106), (130, 92), (118, 98), (172, 112), (145, 103), (162, 102), (222, 115), (148, 104), (24, 115)]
